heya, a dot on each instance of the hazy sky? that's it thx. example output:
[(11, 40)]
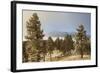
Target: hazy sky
[(59, 21)]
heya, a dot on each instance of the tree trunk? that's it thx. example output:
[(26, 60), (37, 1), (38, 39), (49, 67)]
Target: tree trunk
[(50, 57), (81, 50), (81, 53), (44, 57)]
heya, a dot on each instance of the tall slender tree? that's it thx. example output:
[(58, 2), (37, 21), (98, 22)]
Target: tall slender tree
[(81, 39), (50, 47), (34, 34)]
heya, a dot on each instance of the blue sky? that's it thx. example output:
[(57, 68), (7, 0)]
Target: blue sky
[(59, 21)]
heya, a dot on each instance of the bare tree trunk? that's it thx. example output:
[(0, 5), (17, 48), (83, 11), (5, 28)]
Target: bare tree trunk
[(81, 53), (50, 57), (81, 49)]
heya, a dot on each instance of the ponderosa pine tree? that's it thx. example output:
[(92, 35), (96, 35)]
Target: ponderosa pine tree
[(34, 34), (81, 39)]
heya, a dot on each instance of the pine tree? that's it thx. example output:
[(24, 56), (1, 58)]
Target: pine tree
[(57, 43), (81, 39), (68, 45), (34, 34), (50, 47)]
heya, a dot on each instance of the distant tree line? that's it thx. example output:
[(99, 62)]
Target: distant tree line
[(35, 46)]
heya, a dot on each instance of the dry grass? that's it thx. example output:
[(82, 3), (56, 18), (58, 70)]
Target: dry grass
[(75, 57)]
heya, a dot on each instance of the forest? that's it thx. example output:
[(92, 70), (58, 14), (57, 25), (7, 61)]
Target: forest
[(71, 47)]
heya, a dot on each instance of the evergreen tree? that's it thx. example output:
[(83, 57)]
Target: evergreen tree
[(68, 45), (34, 34), (81, 39), (50, 47), (57, 43)]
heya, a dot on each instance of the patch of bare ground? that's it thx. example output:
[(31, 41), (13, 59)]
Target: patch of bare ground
[(75, 57)]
